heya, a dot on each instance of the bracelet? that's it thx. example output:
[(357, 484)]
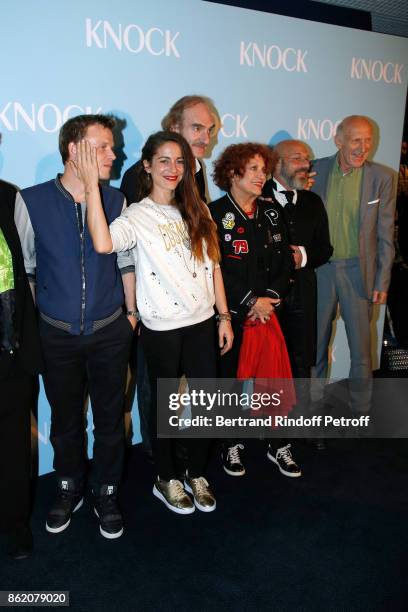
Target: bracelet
[(224, 316), (252, 301), (132, 313)]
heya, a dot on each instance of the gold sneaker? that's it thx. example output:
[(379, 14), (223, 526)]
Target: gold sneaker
[(204, 498), (173, 495)]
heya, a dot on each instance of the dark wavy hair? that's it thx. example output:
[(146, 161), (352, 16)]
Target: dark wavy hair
[(194, 212), (233, 161)]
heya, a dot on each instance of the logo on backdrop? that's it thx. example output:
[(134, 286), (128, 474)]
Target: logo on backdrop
[(273, 57), (131, 37), (15, 116), (234, 126), (376, 70), (316, 129)]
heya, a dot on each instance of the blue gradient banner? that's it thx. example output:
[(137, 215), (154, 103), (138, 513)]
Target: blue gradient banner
[(271, 77)]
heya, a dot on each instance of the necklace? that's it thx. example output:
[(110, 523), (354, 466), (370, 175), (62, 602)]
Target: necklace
[(185, 240), (245, 214)]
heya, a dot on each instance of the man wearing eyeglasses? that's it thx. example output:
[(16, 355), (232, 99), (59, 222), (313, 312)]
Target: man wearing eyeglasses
[(308, 230)]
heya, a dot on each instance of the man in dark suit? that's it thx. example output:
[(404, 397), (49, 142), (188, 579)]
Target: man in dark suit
[(359, 197), (193, 118), (20, 363), (307, 225)]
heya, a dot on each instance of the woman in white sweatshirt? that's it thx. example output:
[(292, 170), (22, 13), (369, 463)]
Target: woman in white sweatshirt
[(178, 282)]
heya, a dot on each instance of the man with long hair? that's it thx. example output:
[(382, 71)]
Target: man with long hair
[(193, 118)]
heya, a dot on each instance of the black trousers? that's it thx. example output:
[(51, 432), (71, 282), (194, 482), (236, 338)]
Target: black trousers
[(191, 350), (17, 396), (144, 397), (73, 365), (295, 320)]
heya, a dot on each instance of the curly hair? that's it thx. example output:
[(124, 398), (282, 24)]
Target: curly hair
[(233, 161), (201, 228)]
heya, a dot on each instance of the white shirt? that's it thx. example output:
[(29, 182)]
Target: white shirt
[(281, 198), (172, 288)]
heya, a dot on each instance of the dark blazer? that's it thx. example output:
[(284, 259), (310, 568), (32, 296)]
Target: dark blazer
[(128, 184), (28, 356), (241, 242), (311, 228)]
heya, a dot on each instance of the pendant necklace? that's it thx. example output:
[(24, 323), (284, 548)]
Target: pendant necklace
[(186, 241)]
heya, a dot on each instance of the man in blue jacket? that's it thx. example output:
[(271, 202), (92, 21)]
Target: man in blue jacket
[(85, 335)]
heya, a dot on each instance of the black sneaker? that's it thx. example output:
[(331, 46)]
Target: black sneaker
[(231, 460), (69, 499), (107, 510), (284, 460)]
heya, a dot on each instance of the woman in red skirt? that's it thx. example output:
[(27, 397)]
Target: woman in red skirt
[(257, 267)]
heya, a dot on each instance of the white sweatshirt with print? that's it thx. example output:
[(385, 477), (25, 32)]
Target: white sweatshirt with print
[(172, 289)]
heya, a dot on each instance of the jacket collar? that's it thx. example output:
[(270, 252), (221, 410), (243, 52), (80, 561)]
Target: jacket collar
[(239, 209), (62, 189)]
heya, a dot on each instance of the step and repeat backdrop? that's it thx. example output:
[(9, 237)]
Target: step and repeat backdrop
[(270, 77)]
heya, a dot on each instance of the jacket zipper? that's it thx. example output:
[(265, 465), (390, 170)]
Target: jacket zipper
[(83, 281)]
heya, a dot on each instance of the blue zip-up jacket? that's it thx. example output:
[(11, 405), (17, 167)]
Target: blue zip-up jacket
[(74, 284)]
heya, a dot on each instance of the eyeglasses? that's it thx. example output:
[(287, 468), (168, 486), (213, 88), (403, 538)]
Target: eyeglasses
[(297, 158)]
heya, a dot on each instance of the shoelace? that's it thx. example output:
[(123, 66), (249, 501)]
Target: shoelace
[(177, 489), (285, 454), (200, 484), (233, 453)]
